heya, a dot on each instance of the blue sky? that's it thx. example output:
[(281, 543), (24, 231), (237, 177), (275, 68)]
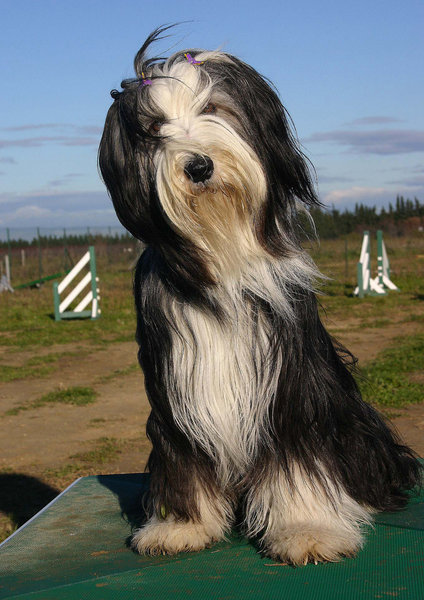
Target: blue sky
[(349, 73)]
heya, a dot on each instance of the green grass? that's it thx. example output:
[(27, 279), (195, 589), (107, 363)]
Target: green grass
[(36, 367), (27, 321), (389, 378), (376, 323), (338, 301), (416, 318), (7, 526), (98, 422), (106, 450), (63, 471), (31, 329), (77, 396), (8, 373), (119, 373)]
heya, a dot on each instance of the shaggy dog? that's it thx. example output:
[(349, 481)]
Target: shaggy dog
[(254, 407)]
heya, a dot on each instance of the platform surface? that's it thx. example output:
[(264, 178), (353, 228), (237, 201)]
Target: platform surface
[(77, 548)]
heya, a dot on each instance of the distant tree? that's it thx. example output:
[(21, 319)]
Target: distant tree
[(332, 223)]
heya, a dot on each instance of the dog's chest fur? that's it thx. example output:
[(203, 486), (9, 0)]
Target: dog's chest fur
[(223, 372)]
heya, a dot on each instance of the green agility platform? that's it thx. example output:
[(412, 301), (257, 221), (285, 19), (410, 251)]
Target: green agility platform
[(77, 548)]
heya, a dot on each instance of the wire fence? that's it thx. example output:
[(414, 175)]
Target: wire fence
[(32, 256)]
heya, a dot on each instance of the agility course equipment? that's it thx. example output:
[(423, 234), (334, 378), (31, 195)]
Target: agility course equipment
[(383, 265), (92, 296), (36, 283), (377, 286)]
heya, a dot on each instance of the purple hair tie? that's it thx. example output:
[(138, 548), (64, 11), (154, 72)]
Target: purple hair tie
[(192, 60), (145, 81)]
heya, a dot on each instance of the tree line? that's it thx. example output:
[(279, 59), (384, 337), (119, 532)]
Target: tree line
[(329, 223), (82, 239), (333, 223)]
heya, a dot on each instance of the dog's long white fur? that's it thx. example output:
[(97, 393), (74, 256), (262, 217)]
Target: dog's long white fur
[(223, 379), (169, 536), (302, 520)]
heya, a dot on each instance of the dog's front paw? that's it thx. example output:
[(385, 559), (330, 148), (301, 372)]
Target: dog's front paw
[(303, 543), (170, 536)]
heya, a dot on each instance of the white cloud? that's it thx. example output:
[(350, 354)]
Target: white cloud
[(31, 212), (370, 196), (349, 196), (69, 135), (73, 209), (375, 120), (383, 142), (32, 216)]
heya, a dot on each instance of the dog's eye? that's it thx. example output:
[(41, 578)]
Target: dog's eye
[(209, 109), (154, 128)]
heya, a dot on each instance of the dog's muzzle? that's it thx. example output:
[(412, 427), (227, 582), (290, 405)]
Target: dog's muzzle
[(199, 168)]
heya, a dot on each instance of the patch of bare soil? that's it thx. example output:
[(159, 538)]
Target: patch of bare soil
[(366, 344), (410, 426), (46, 437)]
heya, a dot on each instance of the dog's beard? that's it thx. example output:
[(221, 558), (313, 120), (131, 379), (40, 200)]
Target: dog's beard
[(219, 214)]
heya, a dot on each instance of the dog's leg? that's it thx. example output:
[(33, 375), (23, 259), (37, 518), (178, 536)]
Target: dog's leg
[(306, 519), (165, 533)]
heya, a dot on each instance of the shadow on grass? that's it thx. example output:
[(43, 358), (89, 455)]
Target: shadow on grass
[(22, 496), (52, 317)]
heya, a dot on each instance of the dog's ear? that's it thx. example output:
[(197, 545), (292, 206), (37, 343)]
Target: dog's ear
[(289, 173), (268, 129), (119, 166), (123, 149)]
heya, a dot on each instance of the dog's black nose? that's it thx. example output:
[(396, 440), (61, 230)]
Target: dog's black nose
[(199, 168)]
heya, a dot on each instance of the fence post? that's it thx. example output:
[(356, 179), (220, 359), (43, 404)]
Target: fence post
[(9, 249), (346, 261), (56, 299), (40, 260)]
